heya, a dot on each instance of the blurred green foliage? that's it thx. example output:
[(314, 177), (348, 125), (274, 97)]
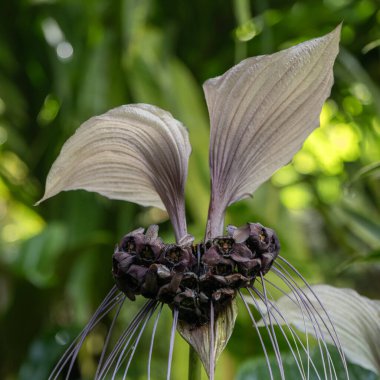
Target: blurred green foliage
[(257, 369), (64, 61)]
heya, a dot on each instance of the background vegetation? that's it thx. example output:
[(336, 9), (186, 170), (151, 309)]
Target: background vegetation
[(62, 62)]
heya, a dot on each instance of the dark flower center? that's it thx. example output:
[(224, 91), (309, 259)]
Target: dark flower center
[(190, 277), (147, 255), (173, 255)]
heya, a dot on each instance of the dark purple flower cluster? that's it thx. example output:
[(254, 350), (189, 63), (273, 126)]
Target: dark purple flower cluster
[(188, 276)]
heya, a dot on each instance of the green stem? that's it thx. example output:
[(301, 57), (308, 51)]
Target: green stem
[(194, 365)]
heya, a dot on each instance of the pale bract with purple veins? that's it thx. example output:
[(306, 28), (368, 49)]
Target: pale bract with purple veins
[(261, 112)]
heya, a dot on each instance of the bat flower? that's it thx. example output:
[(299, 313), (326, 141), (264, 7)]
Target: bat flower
[(261, 111)]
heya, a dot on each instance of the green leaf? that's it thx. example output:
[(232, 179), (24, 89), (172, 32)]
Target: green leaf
[(371, 170), (39, 255), (368, 258), (257, 369), (363, 226)]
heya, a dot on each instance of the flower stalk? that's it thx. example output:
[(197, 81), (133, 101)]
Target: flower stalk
[(215, 219)]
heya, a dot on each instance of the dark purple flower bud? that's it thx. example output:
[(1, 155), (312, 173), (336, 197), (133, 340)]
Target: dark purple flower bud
[(128, 242), (265, 242), (132, 280), (237, 280), (150, 287), (121, 261), (274, 242), (146, 247), (267, 260), (190, 280), (258, 240), (261, 241), (240, 253), (211, 257), (192, 307), (148, 253), (167, 292), (217, 263), (222, 295), (178, 258), (162, 271), (224, 267), (209, 282), (186, 300), (250, 268), (224, 245)]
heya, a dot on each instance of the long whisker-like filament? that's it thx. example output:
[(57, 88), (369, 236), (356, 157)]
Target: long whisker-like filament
[(334, 336), (259, 334), (172, 336), (292, 331), (106, 343), (104, 308), (272, 337), (302, 302), (109, 306), (295, 338), (269, 306), (313, 315), (264, 297), (127, 339), (137, 340), (272, 328), (126, 336), (152, 339)]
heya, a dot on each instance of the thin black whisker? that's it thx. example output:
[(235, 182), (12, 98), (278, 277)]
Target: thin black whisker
[(171, 347), (259, 335), (152, 339)]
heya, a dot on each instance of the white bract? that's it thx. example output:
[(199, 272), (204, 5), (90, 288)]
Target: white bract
[(137, 153), (261, 112)]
